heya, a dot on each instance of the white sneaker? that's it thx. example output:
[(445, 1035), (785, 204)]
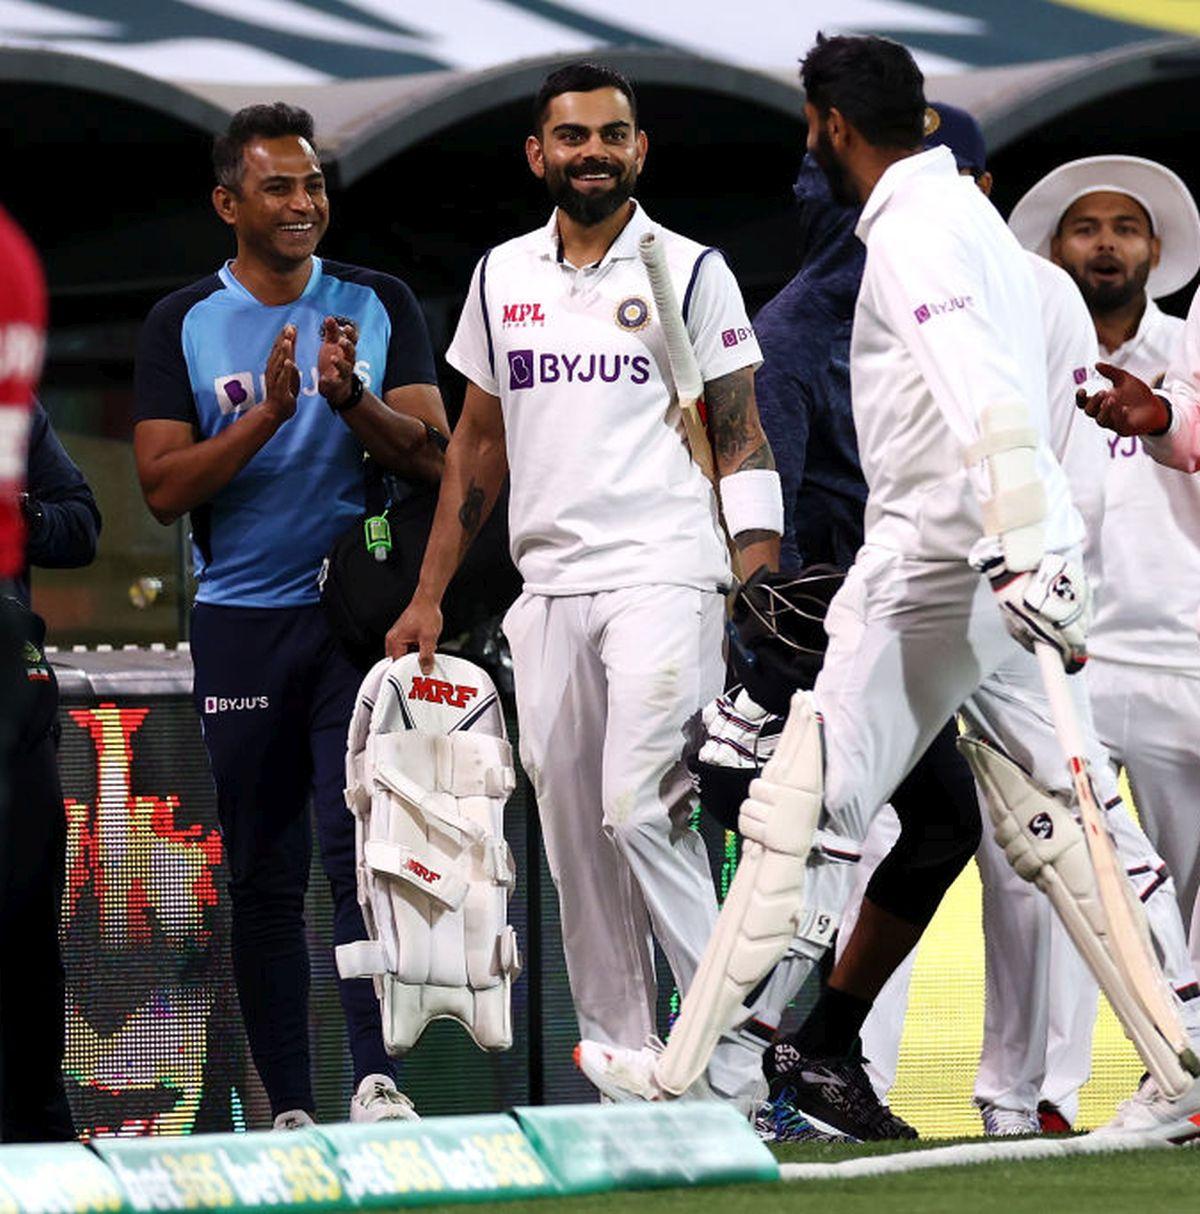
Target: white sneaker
[(1149, 1114), (1008, 1123), (620, 1073), (293, 1119), (378, 1099)]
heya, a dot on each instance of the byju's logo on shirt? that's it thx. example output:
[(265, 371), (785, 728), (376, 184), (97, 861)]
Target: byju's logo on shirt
[(732, 337), (234, 392), (956, 303), (237, 391), (520, 369), (214, 704), (526, 368)]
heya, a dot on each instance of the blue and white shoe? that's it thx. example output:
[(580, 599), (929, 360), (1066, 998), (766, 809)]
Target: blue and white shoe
[(779, 1120)]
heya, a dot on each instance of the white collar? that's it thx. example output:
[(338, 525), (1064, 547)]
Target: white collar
[(623, 248), (939, 161)]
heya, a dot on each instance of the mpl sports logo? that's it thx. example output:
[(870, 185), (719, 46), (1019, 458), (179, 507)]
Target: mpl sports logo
[(438, 691), (521, 315), (214, 704), (956, 303), (528, 368)]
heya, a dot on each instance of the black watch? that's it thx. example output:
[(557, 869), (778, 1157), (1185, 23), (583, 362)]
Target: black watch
[(357, 388)]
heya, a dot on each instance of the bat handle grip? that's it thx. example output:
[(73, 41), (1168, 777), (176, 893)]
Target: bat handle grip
[(1062, 706)]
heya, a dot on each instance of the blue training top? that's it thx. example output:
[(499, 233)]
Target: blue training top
[(201, 359)]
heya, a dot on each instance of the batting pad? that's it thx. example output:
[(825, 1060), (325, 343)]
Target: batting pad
[(428, 772), (1044, 844), (762, 909)]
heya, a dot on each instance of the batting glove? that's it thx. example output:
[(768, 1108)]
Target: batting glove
[(1052, 603), (738, 732)]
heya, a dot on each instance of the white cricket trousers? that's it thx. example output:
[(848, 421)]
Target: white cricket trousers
[(909, 643), (1149, 719), (609, 689)]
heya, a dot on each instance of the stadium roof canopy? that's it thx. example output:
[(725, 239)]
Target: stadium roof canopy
[(318, 41), (429, 163)]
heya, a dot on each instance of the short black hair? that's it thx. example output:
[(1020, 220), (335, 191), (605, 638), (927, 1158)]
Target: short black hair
[(255, 122), (873, 82), (581, 77)]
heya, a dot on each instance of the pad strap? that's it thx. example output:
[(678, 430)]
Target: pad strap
[(474, 765), (439, 806), (406, 864), (361, 959)]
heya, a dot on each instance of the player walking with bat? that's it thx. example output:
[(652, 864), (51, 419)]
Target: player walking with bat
[(616, 640), (969, 561)]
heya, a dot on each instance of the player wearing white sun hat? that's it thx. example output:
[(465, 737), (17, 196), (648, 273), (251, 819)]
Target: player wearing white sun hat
[(1127, 230)]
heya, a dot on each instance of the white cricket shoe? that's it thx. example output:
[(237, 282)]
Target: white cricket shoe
[(1008, 1123), (378, 1099), (1149, 1114), (293, 1119), (620, 1073)]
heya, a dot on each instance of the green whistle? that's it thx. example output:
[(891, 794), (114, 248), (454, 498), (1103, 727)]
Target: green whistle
[(379, 536)]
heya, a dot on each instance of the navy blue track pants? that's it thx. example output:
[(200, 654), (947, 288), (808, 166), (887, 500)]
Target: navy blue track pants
[(275, 696)]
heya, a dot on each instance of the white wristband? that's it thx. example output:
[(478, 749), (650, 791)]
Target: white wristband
[(752, 501)]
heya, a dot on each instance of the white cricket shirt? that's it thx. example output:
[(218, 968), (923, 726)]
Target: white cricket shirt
[(604, 492), (948, 321), (1072, 351), (1150, 535)]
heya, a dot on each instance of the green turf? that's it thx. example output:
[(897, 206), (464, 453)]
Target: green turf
[(1151, 1182)]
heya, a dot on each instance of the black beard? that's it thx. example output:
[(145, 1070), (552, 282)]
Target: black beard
[(1106, 297), (840, 185), (590, 209)]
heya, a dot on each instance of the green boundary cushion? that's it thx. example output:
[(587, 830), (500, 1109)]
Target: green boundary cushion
[(595, 1148), (438, 1159), (60, 1176), (532, 1152), (281, 1171)]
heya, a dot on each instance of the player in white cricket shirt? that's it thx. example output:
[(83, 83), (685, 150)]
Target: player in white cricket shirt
[(616, 640), (1030, 963), (1127, 230), (948, 371)]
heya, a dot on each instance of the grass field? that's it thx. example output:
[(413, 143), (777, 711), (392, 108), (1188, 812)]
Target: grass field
[(1146, 1182)]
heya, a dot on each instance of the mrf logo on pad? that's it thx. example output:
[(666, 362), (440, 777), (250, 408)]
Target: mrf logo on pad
[(438, 691)]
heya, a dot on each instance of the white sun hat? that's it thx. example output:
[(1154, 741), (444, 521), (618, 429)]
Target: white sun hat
[(1172, 210)]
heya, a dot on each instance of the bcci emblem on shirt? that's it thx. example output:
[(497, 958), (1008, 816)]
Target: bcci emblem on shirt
[(633, 314)]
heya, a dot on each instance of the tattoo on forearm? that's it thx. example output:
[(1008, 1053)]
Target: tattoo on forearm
[(761, 457), (470, 513), (737, 438)]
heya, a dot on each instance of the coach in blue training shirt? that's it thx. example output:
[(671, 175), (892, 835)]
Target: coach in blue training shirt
[(257, 391)]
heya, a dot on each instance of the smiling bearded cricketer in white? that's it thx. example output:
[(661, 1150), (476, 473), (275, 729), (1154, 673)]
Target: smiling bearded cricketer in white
[(616, 640)]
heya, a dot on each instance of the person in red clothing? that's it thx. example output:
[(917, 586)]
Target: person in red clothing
[(22, 340)]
